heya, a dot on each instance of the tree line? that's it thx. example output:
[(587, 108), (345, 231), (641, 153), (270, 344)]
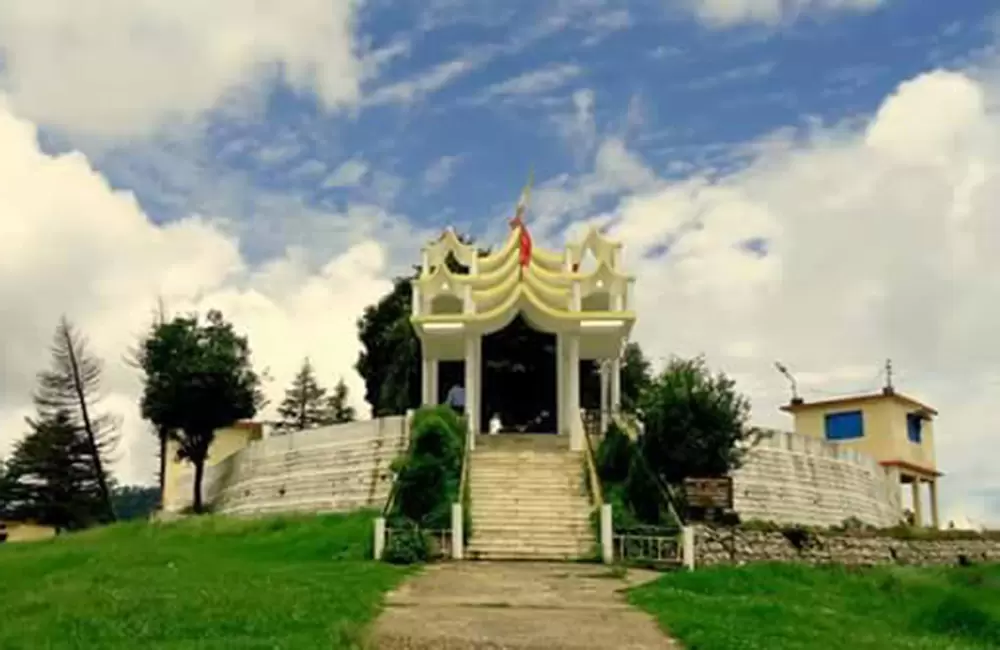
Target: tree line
[(197, 377)]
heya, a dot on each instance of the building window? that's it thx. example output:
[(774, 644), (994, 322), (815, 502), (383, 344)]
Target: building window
[(914, 427), (847, 425)]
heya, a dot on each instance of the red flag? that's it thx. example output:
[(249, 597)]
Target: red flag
[(525, 246)]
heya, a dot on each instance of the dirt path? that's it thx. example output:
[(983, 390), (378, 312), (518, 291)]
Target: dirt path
[(513, 605)]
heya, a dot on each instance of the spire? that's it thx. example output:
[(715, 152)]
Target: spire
[(522, 202)]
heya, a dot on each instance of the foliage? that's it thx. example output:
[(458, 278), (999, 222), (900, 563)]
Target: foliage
[(338, 410), (204, 582), (797, 607), (4, 490), (614, 455), (408, 544), (304, 406), (49, 478), (636, 376), (389, 361), (428, 477), (695, 424), (135, 501), (198, 378), (71, 388)]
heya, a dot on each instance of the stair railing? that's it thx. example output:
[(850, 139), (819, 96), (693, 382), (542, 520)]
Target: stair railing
[(593, 480)]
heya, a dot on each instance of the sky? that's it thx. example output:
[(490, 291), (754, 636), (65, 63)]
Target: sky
[(804, 181)]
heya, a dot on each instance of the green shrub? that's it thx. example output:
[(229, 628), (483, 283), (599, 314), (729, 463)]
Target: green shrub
[(429, 474), (614, 456), (407, 544)]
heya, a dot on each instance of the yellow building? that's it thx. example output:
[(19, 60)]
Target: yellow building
[(895, 430)]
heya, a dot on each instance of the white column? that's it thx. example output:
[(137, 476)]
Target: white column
[(472, 354), (561, 420), (434, 388), (426, 377), (605, 396), (457, 530), (616, 384), (687, 547), (576, 441), (607, 532), (379, 541)]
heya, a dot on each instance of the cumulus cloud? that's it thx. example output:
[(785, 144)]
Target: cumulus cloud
[(123, 67), (832, 252), (726, 13), (70, 244)]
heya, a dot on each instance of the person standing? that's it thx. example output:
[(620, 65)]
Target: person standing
[(456, 398)]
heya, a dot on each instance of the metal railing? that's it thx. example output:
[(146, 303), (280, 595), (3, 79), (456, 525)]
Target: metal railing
[(642, 548)]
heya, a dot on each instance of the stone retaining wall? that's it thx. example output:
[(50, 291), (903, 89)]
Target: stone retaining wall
[(329, 469), (793, 478), (714, 546)]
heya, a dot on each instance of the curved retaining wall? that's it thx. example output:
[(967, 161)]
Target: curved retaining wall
[(330, 469), (792, 478)]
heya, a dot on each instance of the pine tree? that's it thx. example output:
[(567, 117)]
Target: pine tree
[(304, 406), (50, 477), (338, 410), (70, 389)]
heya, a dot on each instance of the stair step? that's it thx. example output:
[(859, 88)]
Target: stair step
[(500, 532)]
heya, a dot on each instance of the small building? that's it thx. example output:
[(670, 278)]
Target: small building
[(896, 430), (24, 531)]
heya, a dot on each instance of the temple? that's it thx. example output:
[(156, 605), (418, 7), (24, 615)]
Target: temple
[(463, 295)]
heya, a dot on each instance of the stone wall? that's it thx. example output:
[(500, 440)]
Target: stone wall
[(792, 478), (329, 469), (715, 546)]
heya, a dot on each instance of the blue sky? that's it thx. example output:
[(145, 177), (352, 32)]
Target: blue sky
[(682, 95), (811, 181)]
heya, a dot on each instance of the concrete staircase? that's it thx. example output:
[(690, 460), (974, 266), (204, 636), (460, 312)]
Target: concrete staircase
[(529, 499)]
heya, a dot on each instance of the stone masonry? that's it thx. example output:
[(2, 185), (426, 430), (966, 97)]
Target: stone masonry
[(715, 546), (792, 478)]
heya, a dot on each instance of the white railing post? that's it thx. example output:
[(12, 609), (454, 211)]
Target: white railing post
[(607, 543), (379, 545), (457, 541), (687, 547)]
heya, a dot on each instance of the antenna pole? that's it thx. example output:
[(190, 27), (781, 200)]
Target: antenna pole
[(889, 389)]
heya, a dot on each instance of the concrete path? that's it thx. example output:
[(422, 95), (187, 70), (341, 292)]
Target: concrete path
[(517, 605)]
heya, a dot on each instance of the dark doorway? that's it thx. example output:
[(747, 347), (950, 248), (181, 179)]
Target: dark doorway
[(519, 379)]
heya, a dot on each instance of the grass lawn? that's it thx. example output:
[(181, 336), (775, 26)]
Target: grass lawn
[(210, 582), (788, 607)]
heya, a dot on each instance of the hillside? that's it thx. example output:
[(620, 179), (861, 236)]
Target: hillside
[(790, 607), (197, 584)]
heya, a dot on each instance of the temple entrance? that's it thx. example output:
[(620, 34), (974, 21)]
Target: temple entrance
[(519, 379)]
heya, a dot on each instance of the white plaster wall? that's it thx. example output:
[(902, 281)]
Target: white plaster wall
[(791, 478), (330, 469)]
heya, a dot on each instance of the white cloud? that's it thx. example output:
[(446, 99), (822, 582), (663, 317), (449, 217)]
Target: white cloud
[(123, 67), (726, 13), (413, 89), (70, 244), (534, 82), (881, 242), (350, 173), (439, 173), (578, 127)]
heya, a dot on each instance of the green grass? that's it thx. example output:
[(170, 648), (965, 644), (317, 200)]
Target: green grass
[(789, 607), (210, 582)]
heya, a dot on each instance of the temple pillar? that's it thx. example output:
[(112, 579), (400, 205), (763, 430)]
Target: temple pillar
[(576, 441), (562, 421), (606, 401), (429, 382), (616, 385), (473, 352)]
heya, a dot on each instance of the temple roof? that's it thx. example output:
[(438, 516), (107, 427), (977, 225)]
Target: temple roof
[(550, 289)]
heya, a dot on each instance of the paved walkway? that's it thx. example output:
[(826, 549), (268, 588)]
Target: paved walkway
[(517, 605)]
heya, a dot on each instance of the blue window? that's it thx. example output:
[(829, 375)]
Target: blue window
[(845, 426), (914, 427)]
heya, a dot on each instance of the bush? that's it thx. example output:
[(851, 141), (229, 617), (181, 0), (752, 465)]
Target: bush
[(407, 544), (429, 475), (614, 456)]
